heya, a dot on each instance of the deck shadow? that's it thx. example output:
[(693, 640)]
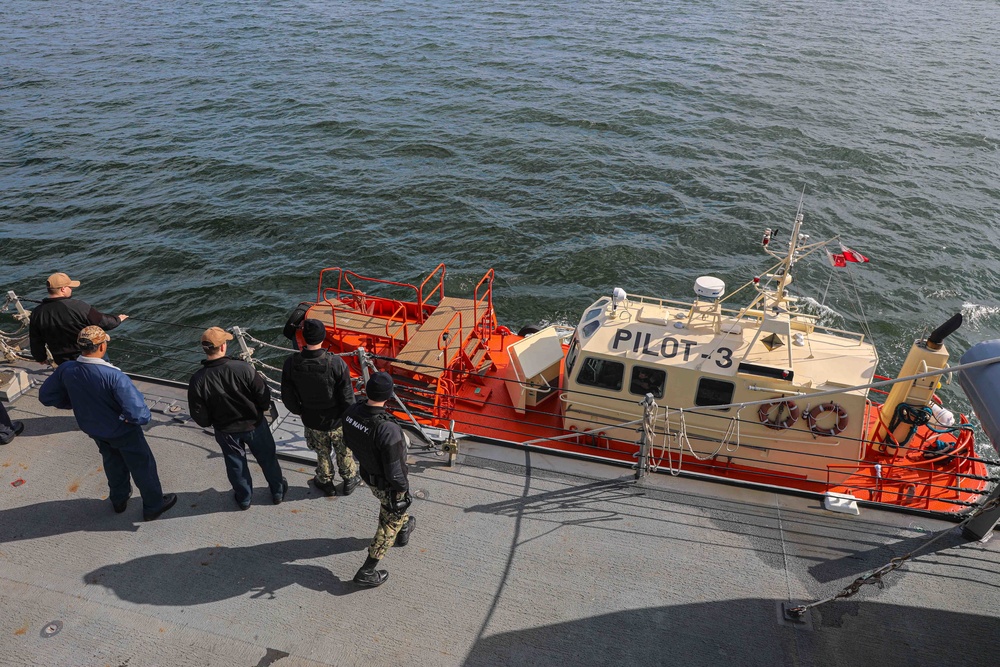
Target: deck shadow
[(855, 563), (213, 574), (58, 517), (39, 426), (748, 632)]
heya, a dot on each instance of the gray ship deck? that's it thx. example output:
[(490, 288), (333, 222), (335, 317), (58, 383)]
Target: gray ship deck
[(518, 559)]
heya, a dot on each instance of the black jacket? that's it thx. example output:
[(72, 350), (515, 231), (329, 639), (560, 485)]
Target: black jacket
[(229, 395), (378, 443), (316, 385), (57, 322)]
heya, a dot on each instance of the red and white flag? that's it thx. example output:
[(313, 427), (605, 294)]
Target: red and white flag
[(836, 260), (852, 255)]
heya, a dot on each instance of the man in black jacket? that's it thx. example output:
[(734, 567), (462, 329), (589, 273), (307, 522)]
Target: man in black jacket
[(58, 320), (230, 396), (380, 446), (317, 385)]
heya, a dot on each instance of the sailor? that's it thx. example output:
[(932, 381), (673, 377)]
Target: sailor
[(57, 321), (317, 385), (643, 383), (8, 429), (380, 446), (229, 395), (110, 409)]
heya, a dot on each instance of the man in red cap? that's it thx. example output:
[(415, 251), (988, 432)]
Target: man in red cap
[(57, 321), (380, 446), (230, 396)]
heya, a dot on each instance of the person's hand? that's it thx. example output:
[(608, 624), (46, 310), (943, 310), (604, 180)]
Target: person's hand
[(122, 318)]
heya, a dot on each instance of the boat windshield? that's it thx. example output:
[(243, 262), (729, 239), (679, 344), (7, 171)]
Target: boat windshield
[(596, 309)]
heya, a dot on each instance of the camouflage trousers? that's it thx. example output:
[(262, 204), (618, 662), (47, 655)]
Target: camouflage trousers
[(324, 443), (389, 523)]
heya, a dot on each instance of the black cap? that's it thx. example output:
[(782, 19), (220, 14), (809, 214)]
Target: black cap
[(313, 332), (379, 387)]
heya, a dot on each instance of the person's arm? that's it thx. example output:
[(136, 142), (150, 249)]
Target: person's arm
[(36, 343), (344, 390), (53, 392), (134, 408), (106, 322), (289, 395), (259, 391), (197, 405), (392, 447)]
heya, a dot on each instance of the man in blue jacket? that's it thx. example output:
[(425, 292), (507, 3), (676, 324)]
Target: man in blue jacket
[(110, 409)]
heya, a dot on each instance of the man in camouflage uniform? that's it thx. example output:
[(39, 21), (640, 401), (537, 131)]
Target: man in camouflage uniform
[(317, 385), (380, 446)]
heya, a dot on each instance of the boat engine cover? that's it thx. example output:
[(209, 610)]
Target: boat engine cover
[(982, 386)]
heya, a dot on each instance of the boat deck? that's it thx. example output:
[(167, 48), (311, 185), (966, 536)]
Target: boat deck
[(454, 316), (518, 559)]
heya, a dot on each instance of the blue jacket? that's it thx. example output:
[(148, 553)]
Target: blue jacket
[(106, 404)]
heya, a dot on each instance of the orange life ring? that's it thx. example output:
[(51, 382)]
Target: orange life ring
[(764, 414), (822, 409)]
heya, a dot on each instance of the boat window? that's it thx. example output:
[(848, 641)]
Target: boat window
[(646, 380), (574, 350), (590, 327), (602, 373), (714, 392), (592, 313)]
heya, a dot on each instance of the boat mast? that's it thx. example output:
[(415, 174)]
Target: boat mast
[(783, 274)]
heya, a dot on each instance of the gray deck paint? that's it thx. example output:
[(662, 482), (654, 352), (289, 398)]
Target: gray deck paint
[(518, 559)]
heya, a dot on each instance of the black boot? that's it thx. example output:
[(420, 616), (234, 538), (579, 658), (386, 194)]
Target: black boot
[(327, 488), (351, 484), (403, 536), (368, 576)]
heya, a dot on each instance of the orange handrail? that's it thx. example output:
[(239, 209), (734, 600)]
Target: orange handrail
[(422, 298), (487, 316), (344, 276), (391, 335), (447, 338)]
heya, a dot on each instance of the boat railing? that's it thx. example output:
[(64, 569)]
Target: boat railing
[(482, 307), (745, 315), (571, 399), (423, 297), (393, 334), (447, 338), (445, 398), (347, 291), (877, 489)]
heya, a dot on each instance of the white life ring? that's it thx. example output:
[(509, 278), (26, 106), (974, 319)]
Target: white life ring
[(764, 414), (822, 409)]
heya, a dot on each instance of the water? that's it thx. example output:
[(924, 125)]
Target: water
[(199, 163)]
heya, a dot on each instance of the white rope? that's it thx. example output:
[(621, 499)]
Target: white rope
[(684, 439), (258, 341), (667, 451), (734, 426)]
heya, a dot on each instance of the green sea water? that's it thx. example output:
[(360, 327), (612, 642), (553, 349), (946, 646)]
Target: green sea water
[(199, 163)]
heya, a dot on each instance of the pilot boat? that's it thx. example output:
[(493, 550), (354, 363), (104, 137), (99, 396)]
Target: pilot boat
[(760, 394)]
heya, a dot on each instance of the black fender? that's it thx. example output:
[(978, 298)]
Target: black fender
[(295, 321), (529, 329)]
